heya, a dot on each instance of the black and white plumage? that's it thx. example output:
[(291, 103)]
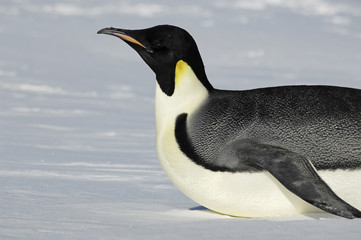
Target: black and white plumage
[(255, 153)]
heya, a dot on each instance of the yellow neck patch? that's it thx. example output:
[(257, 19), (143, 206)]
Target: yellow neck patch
[(180, 69)]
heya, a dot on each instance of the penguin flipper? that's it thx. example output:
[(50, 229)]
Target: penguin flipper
[(296, 173)]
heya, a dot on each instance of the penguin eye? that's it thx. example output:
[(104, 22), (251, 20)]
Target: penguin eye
[(157, 45)]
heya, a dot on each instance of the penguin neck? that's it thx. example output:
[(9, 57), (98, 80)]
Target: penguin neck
[(189, 93), (167, 78), (199, 71)]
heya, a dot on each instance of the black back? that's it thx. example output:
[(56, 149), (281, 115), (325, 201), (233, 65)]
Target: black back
[(322, 123)]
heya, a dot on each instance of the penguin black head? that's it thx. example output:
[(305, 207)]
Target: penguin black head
[(161, 47)]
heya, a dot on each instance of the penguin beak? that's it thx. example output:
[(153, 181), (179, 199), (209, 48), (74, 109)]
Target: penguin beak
[(124, 35)]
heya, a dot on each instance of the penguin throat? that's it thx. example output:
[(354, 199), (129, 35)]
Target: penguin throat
[(182, 70), (188, 91), (172, 80)]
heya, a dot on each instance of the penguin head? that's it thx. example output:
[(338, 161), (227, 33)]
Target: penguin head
[(162, 47)]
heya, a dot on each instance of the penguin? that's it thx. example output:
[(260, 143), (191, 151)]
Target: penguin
[(263, 152)]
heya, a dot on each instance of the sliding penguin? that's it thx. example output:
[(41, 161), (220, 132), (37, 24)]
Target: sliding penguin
[(255, 153)]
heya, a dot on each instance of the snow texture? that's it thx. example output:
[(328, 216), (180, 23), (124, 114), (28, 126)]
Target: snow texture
[(77, 153)]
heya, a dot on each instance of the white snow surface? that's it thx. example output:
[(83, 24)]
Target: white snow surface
[(77, 153)]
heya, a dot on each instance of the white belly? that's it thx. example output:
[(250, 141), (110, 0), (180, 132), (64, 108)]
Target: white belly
[(236, 194), (245, 194)]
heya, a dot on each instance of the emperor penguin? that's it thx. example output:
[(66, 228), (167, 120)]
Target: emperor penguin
[(251, 153)]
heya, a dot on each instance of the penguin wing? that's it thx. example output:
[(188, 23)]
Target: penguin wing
[(293, 171)]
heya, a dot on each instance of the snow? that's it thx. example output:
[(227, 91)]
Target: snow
[(77, 154)]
